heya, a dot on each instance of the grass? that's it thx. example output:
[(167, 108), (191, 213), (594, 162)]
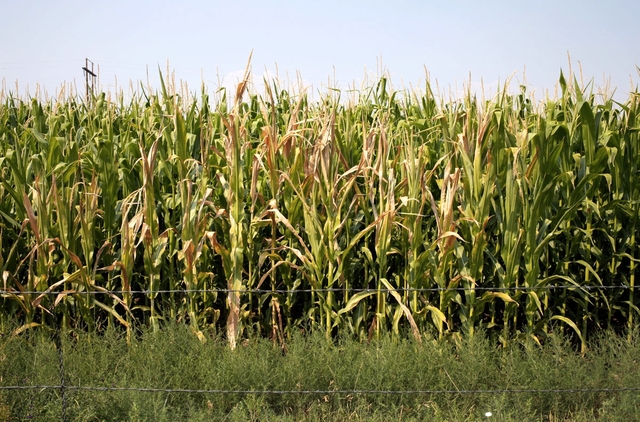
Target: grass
[(174, 358)]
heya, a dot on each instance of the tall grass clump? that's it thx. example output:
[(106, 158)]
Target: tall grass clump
[(399, 212)]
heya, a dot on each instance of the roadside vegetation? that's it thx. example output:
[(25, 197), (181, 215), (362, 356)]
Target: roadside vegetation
[(173, 358)]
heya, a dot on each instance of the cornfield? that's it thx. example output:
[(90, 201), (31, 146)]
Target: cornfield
[(393, 212)]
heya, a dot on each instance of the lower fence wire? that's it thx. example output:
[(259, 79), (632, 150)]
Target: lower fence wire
[(324, 392)]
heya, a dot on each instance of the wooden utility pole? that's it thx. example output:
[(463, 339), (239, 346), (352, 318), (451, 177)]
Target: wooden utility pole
[(89, 72)]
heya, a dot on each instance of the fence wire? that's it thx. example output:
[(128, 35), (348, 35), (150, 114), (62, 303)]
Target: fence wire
[(325, 290), (325, 392)]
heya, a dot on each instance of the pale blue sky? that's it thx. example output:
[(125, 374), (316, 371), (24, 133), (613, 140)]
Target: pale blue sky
[(47, 41)]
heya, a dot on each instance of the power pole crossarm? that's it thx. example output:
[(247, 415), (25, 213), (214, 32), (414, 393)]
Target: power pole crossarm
[(90, 72)]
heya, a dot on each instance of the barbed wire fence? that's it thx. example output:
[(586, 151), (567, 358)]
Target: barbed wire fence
[(321, 290), (63, 387)]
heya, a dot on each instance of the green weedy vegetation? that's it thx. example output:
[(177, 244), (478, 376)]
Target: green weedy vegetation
[(173, 358), (391, 192)]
